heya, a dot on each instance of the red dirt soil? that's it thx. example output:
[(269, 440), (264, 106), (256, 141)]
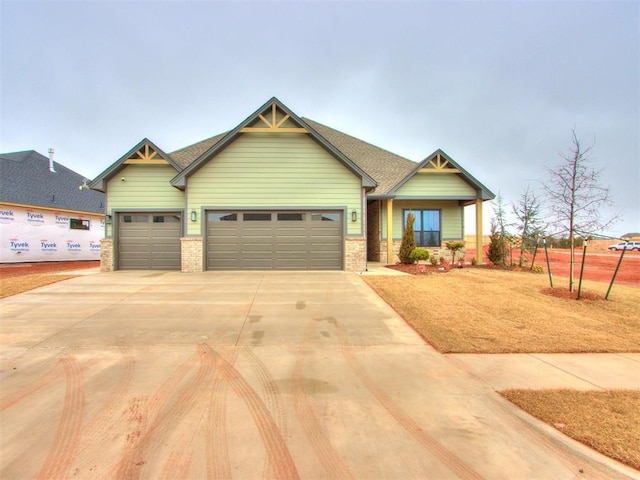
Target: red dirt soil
[(598, 267), (10, 270)]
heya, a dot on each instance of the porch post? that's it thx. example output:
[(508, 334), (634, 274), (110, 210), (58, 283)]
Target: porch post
[(479, 231), (389, 230)]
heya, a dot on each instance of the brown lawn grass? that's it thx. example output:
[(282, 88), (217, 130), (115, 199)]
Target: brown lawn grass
[(495, 311), (15, 285), (607, 421)]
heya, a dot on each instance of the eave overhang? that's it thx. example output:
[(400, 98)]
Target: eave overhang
[(99, 183), (483, 193), (262, 114)]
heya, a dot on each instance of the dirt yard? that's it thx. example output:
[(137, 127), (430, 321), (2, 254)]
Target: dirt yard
[(22, 277), (598, 266)]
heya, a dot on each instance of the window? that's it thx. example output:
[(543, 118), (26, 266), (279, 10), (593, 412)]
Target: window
[(325, 217), (291, 217), (134, 219), (257, 217), (426, 227), (222, 217), (79, 224), (166, 218)]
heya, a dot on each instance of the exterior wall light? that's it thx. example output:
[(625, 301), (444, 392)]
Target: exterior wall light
[(108, 219), (354, 216), (194, 215)]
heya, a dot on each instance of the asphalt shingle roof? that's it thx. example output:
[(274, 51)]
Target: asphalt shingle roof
[(386, 168), (25, 179), (185, 156)]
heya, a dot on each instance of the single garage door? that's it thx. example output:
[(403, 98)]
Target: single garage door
[(304, 240), (149, 241)]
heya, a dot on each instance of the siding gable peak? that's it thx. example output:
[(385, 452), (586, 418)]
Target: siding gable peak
[(441, 163), (274, 118), (144, 153)]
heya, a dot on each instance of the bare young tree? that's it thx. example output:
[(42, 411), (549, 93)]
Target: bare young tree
[(576, 197), (529, 224)]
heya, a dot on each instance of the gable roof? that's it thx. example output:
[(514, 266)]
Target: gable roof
[(187, 155), (25, 179), (100, 181), (483, 192), (386, 168), (217, 146)]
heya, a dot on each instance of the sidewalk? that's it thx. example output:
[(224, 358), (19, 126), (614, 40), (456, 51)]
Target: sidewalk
[(580, 371)]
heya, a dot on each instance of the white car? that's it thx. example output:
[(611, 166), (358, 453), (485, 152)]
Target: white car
[(625, 246)]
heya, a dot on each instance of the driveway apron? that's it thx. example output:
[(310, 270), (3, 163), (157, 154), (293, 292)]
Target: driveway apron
[(250, 375)]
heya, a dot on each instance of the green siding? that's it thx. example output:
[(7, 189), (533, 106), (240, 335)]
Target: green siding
[(275, 170), (144, 186), (450, 218), (437, 185)]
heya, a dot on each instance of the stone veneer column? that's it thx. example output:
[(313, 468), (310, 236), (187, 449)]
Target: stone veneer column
[(395, 248), (192, 259), (355, 254), (106, 255)]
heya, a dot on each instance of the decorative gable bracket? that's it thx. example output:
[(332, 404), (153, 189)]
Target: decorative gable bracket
[(277, 124), (439, 164)]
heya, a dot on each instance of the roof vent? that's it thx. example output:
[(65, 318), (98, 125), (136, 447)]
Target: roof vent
[(52, 167)]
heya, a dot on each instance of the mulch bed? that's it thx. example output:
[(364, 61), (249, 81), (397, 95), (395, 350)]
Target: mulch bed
[(419, 269), (427, 269), (564, 293)]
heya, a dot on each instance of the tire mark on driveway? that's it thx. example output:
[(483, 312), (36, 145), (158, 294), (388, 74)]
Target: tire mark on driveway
[(144, 420), (108, 416), (16, 397), (272, 397), (196, 391), (446, 457), (329, 458), (65, 443), (218, 463), (276, 448)]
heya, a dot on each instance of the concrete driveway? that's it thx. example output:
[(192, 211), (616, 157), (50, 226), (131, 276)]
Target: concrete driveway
[(250, 375)]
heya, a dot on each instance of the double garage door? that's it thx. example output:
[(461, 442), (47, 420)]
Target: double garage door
[(278, 240), (149, 241)]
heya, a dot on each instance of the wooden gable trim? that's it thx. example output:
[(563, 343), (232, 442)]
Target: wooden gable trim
[(144, 153), (274, 126)]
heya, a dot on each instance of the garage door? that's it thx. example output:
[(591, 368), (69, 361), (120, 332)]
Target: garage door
[(149, 241), (304, 240)]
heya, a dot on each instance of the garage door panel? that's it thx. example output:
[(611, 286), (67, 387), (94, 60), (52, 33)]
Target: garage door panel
[(149, 241), (274, 240)]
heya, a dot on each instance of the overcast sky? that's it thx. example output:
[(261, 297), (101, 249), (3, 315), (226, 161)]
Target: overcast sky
[(497, 85)]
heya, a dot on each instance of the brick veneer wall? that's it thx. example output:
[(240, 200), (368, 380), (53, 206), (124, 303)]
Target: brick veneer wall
[(355, 254), (106, 255), (192, 260)]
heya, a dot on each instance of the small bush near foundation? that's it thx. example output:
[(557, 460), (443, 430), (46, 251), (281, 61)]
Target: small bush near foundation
[(408, 241), (454, 247), (434, 261), (419, 254)]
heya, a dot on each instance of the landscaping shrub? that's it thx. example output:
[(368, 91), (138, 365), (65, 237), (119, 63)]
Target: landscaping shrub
[(434, 261), (497, 247), (419, 254), (408, 241), (537, 269), (454, 247)]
